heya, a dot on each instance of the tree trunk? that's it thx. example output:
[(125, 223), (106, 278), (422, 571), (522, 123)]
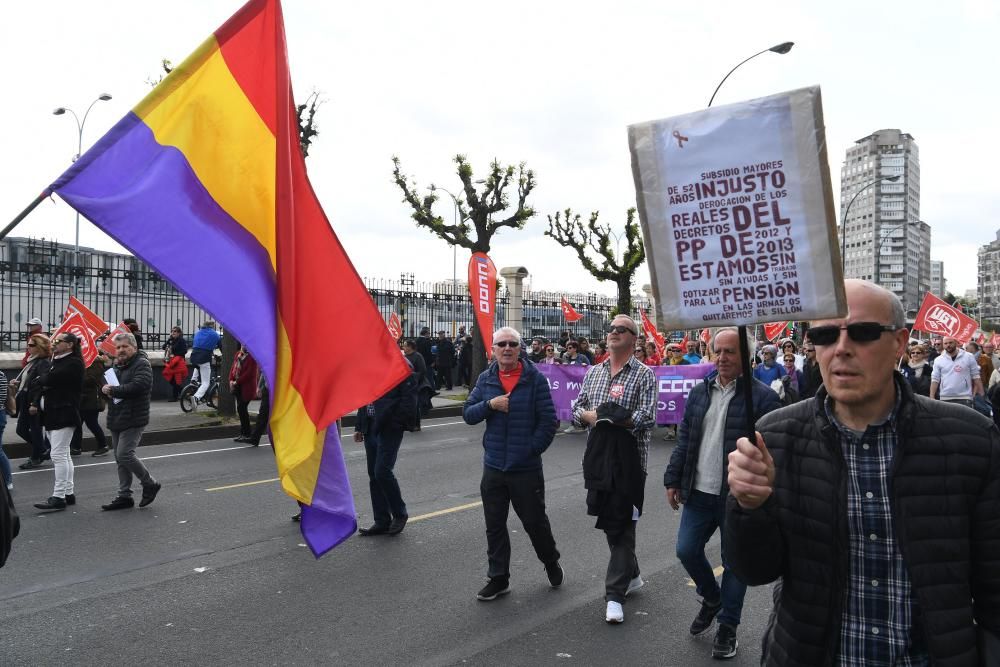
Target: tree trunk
[(625, 296), (479, 362)]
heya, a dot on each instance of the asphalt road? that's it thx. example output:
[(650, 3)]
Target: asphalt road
[(214, 572)]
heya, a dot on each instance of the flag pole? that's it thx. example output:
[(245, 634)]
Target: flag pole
[(747, 384), (23, 214)]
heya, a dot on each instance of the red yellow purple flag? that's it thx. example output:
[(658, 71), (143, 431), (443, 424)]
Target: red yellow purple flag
[(212, 153)]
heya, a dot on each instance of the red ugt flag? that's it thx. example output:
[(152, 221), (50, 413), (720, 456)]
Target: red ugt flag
[(76, 325), (937, 317), (773, 330), (568, 312), (94, 322)]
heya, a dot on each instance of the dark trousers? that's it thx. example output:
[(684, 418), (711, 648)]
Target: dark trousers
[(444, 377), (623, 566), (175, 388), (241, 410), (703, 514), (263, 416), (90, 418), (525, 490), (29, 429), (381, 451)]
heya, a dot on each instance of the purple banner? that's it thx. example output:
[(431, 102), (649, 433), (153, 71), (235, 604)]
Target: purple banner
[(672, 382)]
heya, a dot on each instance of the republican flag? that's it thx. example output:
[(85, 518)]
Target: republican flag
[(569, 313), (213, 155), (76, 325)]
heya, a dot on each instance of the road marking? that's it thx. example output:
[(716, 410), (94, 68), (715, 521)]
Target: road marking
[(436, 425), (236, 486), (459, 508), (144, 458), (717, 572)]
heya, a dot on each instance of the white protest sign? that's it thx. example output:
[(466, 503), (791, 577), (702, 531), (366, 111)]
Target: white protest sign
[(737, 213)]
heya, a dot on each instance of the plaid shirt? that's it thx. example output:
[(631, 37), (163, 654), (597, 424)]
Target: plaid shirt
[(878, 613), (633, 388)]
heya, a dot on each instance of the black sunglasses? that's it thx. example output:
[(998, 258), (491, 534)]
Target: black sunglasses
[(507, 343), (619, 329), (859, 332)]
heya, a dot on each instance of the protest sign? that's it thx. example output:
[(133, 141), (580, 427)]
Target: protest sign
[(938, 318), (737, 213), (673, 383), (76, 325), (483, 290)]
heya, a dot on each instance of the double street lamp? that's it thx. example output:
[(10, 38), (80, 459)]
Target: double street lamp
[(103, 97), (847, 209)]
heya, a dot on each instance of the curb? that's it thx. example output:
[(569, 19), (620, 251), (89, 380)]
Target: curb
[(210, 431)]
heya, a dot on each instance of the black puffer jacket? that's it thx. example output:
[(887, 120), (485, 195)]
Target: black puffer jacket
[(680, 473), (135, 382), (946, 503)]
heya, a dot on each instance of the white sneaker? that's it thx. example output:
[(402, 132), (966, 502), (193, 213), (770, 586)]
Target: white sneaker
[(569, 429), (614, 613), (634, 585)]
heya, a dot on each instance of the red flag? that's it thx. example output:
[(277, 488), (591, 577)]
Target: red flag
[(483, 289), (773, 330), (108, 344), (958, 306), (652, 334), (395, 328), (706, 336), (981, 339), (568, 312), (995, 340), (94, 322), (76, 325), (937, 317), (684, 342)]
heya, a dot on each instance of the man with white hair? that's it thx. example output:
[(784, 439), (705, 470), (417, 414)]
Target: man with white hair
[(514, 400)]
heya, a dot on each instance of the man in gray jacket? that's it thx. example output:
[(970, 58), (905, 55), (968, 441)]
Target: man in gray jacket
[(128, 415)]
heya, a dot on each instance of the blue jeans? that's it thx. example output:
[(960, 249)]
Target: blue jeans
[(381, 451), (703, 514)]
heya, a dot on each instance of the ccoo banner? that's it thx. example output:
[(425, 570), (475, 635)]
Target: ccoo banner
[(483, 291), (737, 213)]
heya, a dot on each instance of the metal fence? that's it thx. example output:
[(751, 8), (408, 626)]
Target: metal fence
[(42, 288)]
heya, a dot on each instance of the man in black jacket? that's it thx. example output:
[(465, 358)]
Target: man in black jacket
[(444, 361), (876, 507), (714, 417), (128, 415)]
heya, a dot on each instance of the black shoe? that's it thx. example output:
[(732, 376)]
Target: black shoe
[(119, 503), (149, 493), (297, 518), (46, 456), (31, 464), (75, 452), (53, 504), (725, 642), (396, 527), (375, 529), (70, 499), (100, 451), (703, 621), (242, 438), (496, 587), (555, 573), (253, 443)]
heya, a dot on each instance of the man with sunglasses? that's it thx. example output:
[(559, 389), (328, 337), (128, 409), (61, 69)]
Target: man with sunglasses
[(874, 506), (620, 393), (955, 375), (514, 400)]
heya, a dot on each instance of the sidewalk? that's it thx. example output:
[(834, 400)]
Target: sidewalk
[(169, 424)]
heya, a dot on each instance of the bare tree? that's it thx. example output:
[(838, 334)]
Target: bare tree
[(569, 231), (481, 214)]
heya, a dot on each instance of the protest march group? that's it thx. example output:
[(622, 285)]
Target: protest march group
[(850, 464)]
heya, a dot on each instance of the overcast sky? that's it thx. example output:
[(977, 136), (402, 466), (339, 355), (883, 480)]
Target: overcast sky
[(554, 84)]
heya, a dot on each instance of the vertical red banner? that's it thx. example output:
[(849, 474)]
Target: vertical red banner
[(483, 291)]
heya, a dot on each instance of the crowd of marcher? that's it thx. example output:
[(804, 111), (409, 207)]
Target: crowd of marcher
[(869, 495)]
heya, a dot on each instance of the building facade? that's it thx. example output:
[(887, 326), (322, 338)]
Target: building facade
[(938, 283), (988, 291), (884, 239)]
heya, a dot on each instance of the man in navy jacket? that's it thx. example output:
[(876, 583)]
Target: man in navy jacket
[(514, 399)]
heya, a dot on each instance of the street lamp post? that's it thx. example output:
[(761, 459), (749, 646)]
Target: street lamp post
[(454, 262), (59, 111), (843, 225), (780, 49)]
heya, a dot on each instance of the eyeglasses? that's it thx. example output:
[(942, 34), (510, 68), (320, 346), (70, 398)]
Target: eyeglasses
[(549, 349), (507, 343), (859, 332), (619, 329)]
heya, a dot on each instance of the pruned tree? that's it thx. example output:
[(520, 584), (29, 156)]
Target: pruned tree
[(568, 230), (481, 214)]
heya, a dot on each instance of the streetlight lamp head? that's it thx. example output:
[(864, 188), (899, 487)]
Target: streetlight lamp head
[(893, 178), (104, 97), (782, 48), (59, 111)]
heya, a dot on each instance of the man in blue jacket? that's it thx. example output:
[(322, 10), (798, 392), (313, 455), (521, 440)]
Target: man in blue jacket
[(206, 339), (714, 418), (514, 399)]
